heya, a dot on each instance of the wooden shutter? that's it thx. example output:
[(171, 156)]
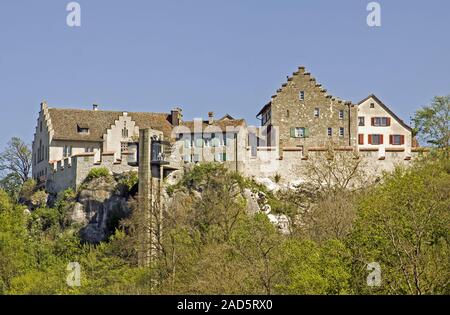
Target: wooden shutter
[(381, 139), (361, 138), (372, 120), (306, 132), (388, 121), (391, 139), (370, 139), (292, 132), (402, 139)]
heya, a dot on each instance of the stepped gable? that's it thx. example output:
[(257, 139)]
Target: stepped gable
[(289, 80), (65, 123)]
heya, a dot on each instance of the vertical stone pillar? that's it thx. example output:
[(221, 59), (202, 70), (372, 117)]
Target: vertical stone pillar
[(145, 197)]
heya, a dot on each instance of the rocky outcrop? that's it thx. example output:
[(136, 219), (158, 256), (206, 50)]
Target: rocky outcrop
[(257, 202), (98, 208)]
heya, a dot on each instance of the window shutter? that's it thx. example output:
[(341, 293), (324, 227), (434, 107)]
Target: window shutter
[(306, 130), (391, 139), (402, 139), (370, 139), (292, 132), (361, 139), (372, 121), (381, 139), (388, 121)]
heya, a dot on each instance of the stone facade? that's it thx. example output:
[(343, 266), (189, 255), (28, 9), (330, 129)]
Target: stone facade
[(306, 116), (72, 171)]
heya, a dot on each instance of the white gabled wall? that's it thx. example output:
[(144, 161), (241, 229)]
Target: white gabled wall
[(395, 128), (113, 137)]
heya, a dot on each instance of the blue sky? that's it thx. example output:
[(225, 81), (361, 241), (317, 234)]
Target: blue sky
[(227, 56)]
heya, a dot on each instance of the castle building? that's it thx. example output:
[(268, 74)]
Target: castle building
[(306, 116), (68, 143), (300, 119)]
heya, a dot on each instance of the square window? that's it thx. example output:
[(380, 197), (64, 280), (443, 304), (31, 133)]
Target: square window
[(377, 139), (372, 105), (396, 139), (299, 132), (316, 112), (361, 121)]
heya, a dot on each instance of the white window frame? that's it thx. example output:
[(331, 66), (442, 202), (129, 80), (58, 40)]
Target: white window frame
[(299, 132), (317, 112), (301, 95)]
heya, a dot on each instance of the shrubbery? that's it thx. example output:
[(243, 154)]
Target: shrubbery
[(97, 172)]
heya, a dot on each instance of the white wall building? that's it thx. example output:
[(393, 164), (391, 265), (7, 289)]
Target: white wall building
[(380, 129)]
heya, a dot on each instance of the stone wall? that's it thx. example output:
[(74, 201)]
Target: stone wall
[(71, 172), (291, 164), (288, 111)]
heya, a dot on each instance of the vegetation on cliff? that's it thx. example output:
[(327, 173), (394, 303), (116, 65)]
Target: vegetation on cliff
[(210, 244)]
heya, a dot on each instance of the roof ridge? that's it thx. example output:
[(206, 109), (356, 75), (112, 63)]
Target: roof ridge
[(107, 111)]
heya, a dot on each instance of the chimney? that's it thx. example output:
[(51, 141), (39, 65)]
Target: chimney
[(175, 116), (210, 117), (94, 107)]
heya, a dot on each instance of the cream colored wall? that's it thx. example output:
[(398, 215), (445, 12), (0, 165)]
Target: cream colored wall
[(208, 153), (113, 136), (78, 147), (394, 129), (45, 137)]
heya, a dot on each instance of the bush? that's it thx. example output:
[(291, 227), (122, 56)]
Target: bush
[(39, 199), (28, 188), (129, 179), (98, 172), (68, 195)]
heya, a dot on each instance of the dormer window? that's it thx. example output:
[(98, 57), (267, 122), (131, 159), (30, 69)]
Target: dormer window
[(82, 128)]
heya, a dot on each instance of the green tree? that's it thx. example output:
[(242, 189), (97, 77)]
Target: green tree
[(12, 184), (14, 257), (403, 225), (308, 268), (16, 159), (433, 123)]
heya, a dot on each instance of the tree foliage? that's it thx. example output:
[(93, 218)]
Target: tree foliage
[(209, 244), (433, 123), (16, 159)]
